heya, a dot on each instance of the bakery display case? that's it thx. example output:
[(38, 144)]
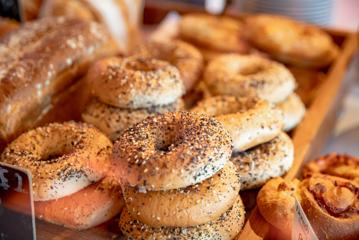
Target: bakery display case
[(158, 120)]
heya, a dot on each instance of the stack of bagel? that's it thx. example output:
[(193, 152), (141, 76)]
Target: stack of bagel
[(127, 90), (177, 180), (255, 76), (68, 163), (261, 149)]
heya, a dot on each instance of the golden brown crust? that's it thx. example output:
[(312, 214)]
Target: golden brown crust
[(293, 110), (249, 75), (226, 227), (194, 205), (170, 151), (62, 158), (276, 202), (135, 82), (332, 206), (7, 25), (114, 121), (290, 41), (250, 121), (40, 60), (340, 165), (263, 162), (216, 33), (182, 55)]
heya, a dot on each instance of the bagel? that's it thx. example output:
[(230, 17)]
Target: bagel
[(226, 227), (182, 55), (293, 110), (249, 75), (113, 121), (213, 32), (291, 42), (171, 151), (249, 121), (194, 205), (339, 165), (268, 160), (135, 82), (62, 158), (84, 209)]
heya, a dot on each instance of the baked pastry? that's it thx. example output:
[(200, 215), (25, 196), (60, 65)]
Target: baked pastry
[(249, 75), (185, 207), (293, 111), (127, 90), (121, 17), (69, 163), (6, 26), (171, 151), (330, 203), (219, 34), (135, 82), (268, 160), (114, 121), (332, 206), (182, 55), (276, 202), (226, 227), (339, 165), (290, 41), (249, 121), (40, 61)]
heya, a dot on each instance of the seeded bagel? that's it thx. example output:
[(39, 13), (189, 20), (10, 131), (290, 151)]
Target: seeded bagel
[(113, 121), (171, 151), (226, 227), (249, 75), (135, 82), (250, 121), (62, 158), (194, 205), (268, 160)]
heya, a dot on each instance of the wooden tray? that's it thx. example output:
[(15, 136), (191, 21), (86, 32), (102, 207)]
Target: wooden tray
[(322, 92)]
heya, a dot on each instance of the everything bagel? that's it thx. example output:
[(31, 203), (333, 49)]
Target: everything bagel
[(194, 205), (171, 151), (182, 55), (250, 121), (249, 75), (135, 82), (113, 121), (62, 158), (259, 164)]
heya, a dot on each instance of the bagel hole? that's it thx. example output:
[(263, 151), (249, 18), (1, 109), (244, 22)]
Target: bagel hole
[(54, 155), (168, 144), (249, 70)]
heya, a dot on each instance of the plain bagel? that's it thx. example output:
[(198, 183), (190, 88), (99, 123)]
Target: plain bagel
[(261, 163), (171, 151), (194, 205), (249, 75), (135, 82), (226, 227), (250, 121), (113, 121), (62, 158)]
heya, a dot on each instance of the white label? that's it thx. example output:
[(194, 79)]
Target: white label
[(302, 229)]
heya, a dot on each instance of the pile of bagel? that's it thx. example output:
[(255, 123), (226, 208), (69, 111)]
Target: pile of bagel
[(174, 169)]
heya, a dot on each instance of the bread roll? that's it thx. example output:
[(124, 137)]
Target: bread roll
[(40, 61)]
